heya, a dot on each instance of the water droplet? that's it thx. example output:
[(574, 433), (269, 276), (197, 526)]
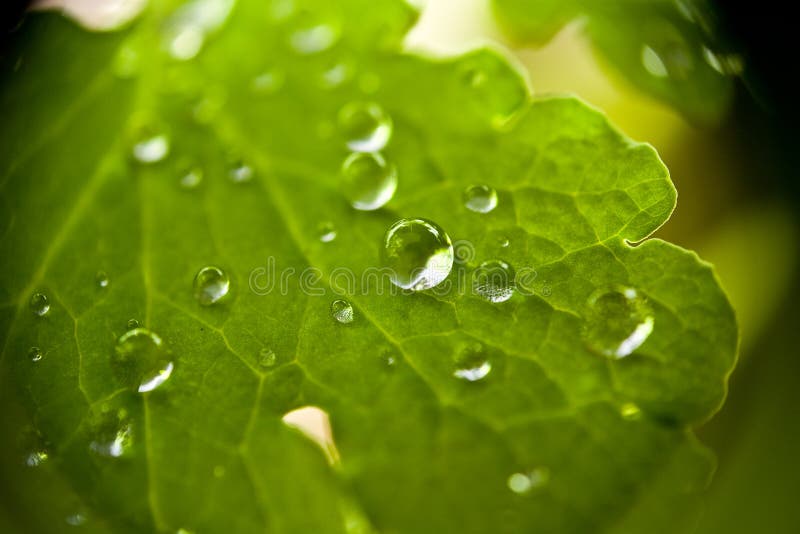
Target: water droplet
[(210, 285), (494, 280), (418, 252), (184, 41), (241, 173), (151, 148), (342, 311), (39, 304), (36, 457), (617, 322), (471, 363), (475, 77), (388, 357), (480, 198), (335, 76), (141, 360), (111, 434), (188, 27), (630, 411), (653, 63), (76, 520), (366, 126), (101, 279), (503, 241), (268, 82), (192, 178), (133, 323), (313, 39), (267, 357), (522, 483), (368, 181), (35, 354), (326, 232)]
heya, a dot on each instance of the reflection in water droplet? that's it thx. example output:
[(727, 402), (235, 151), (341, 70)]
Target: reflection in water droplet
[(522, 483), (326, 232), (35, 354), (210, 285), (192, 178), (267, 357), (494, 280), (241, 173), (365, 126), (418, 252), (268, 82), (101, 279), (368, 181), (39, 304), (313, 39), (480, 198), (342, 311), (617, 322), (151, 148), (630, 411), (141, 361), (471, 363)]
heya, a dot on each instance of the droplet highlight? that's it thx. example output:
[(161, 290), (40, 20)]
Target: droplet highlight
[(418, 252), (211, 284), (617, 322), (368, 181), (365, 126)]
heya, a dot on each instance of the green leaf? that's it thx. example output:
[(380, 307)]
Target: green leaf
[(669, 49), (417, 449)]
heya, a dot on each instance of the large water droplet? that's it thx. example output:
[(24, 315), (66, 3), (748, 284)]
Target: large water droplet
[(522, 483), (617, 322), (141, 361), (480, 198), (326, 232), (368, 181), (365, 126), (418, 252), (151, 148), (342, 311), (494, 280), (39, 304), (210, 285), (35, 354), (472, 364)]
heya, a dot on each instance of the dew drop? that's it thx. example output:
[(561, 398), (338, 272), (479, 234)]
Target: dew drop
[(342, 311), (472, 364), (133, 323), (653, 63), (39, 304), (151, 148), (241, 173), (326, 232), (111, 435), (313, 39), (141, 361), (191, 178), (522, 483), (418, 252), (630, 411), (503, 241), (35, 354), (101, 279), (368, 181), (617, 322), (494, 280), (210, 285), (480, 198), (36, 457), (365, 126), (267, 357)]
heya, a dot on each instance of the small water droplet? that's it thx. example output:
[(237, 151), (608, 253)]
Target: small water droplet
[(35, 354), (210, 285), (141, 361), (151, 148), (326, 232), (241, 173), (36, 457), (480, 198), (368, 181), (313, 39), (335, 76), (365, 126), (101, 279), (39, 304), (192, 178), (503, 241), (471, 363), (342, 311), (617, 321), (76, 520), (267, 357), (388, 357), (219, 471), (630, 411), (653, 63), (268, 82), (522, 483), (133, 323), (111, 434), (184, 41), (494, 280), (418, 252)]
